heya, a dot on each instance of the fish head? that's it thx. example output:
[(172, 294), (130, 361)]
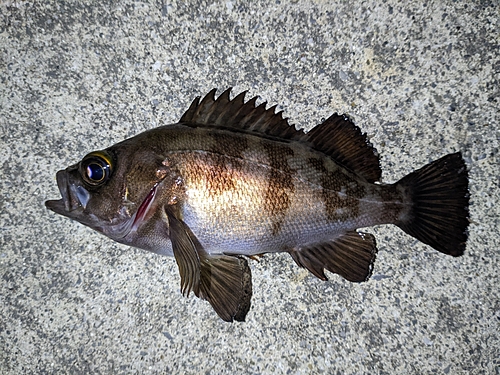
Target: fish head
[(114, 191)]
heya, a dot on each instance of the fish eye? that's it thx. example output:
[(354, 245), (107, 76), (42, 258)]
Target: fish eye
[(96, 168)]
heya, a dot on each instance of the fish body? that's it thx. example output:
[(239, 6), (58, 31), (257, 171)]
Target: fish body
[(237, 199), (232, 179)]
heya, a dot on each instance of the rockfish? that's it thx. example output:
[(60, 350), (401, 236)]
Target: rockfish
[(232, 180)]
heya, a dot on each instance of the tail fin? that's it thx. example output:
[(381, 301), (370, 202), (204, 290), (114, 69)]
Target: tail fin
[(439, 215)]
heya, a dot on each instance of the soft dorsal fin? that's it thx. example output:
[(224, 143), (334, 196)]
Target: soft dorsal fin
[(336, 137), (343, 141)]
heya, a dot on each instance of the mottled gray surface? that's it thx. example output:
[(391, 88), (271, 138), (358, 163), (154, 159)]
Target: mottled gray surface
[(422, 80)]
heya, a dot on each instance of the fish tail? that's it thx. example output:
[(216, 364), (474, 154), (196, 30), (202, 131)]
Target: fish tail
[(439, 209)]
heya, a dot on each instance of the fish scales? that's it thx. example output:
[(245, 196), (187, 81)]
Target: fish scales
[(267, 196), (233, 179)]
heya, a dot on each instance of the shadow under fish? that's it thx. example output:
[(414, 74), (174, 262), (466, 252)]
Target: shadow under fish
[(232, 179)]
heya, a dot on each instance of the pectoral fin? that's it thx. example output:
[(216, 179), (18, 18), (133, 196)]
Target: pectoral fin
[(224, 281), (186, 255), (351, 256)]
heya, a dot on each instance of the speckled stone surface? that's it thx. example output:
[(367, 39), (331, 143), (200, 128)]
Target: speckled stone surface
[(422, 80)]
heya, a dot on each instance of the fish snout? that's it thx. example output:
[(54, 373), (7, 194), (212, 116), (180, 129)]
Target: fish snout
[(74, 195)]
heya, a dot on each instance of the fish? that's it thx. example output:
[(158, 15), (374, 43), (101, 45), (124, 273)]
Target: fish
[(233, 180)]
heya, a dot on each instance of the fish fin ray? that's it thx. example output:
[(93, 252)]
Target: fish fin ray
[(439, 195), (222, 280), (336, 137), (351, 256), (186, 255), (237, 115), (344, 142), (226, 283)]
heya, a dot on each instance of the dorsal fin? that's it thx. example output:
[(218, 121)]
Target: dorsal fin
[(336, 137), (343, 141), (238, 115)]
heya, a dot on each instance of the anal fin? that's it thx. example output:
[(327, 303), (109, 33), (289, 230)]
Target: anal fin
[(224, 281), (351, 256)]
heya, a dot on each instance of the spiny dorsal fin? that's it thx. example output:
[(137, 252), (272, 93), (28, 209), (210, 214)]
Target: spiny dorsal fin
[(237, 115), (336, 137)]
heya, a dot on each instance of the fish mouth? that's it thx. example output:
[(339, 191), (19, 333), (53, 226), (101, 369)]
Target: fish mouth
[(74, 196), (74, 200)]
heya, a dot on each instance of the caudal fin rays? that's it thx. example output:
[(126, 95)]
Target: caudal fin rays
[(439, 213)]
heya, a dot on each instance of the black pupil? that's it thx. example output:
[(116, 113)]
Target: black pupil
[(95, 172)]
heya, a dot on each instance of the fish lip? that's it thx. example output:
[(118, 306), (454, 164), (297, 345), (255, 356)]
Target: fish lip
[(56, 206), (60, 206), (74, 197)]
